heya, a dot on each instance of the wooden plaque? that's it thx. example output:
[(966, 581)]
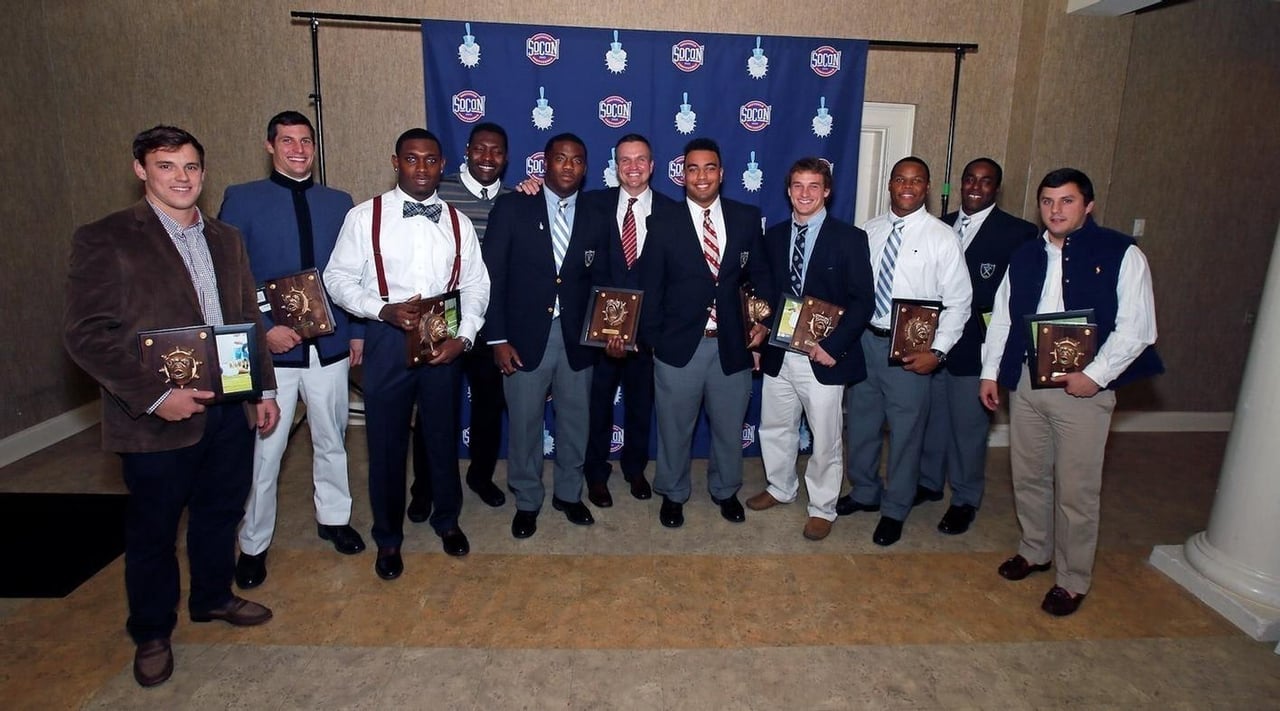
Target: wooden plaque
[(299, 302), (220, 359), (1062, 348), (612, 312), (912, 327), (438, 320)]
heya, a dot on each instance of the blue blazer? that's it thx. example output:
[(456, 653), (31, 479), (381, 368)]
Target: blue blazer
[(523, 281), (839, 271), (679, 290), (988, 259), (263, 212), (606, 201)]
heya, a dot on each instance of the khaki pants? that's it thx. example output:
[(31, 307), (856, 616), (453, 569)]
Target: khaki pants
[(1056, 444)]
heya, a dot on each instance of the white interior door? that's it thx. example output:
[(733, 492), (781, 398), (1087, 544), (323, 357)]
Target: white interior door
[(887, 130)]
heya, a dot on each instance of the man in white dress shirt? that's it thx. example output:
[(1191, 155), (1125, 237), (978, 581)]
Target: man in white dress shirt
[(1057, 435), (393, 252), (914, 256)]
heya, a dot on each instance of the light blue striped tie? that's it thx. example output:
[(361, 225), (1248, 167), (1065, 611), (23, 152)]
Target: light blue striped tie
[(884, 278), (560, 235), (560, 245)]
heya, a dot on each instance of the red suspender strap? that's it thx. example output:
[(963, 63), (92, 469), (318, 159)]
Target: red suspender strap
[(377, 249), (456, 274)]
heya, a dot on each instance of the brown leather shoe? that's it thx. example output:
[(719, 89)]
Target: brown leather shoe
[(816, 529), (153, 662), (238, 611), (763, 500), (1059, 602), (1017, 568)]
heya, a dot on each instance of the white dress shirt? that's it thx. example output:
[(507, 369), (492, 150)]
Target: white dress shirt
[(474, 187), (975, 224), (1135, 316), (417, 258), (930, 266), (642, 209)]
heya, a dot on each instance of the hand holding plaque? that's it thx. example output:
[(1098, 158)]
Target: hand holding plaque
[(221, 359), (912, 328), (803, 322), (299, 302), (612, 313), (1063, 342), (438, 320)]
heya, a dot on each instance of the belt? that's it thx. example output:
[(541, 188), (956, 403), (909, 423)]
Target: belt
[(879, 332), (710, 333)]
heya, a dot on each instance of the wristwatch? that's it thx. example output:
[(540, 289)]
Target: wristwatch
[(942, 357), (466, 344)]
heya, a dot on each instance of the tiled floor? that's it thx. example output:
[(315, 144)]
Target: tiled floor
[(627, 614)]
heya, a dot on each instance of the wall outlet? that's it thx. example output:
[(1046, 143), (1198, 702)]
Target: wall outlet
[(1139, 226)]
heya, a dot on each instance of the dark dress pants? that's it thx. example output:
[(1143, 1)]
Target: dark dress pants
[(635, 374), (487, 403)]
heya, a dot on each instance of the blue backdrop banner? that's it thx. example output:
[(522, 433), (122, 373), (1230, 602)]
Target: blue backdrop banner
[(766, 100)]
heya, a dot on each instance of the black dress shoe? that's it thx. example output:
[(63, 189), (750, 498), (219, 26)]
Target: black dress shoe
[(957, 519), (576, 511), (389, 564), (236, 611), (524, 524), (598, 494), (455, 542), (846, 506), (486, 490), (251, 570), (640, 488), (888, 531), (731, 509), (153, 662), (671, 514), (1059, 602), (924, 493), (419, 509), (1017, 568), (344, 538)]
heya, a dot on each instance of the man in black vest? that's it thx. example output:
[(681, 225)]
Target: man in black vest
[(1057, 434), (955, 437)]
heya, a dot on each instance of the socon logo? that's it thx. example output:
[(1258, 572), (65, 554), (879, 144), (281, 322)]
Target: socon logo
[(615, 111), (535, 166), (748, 435), (675, 170), (825, 60), (754, 115), (615, 441), (542, 49), (468, 106), (687, 55)]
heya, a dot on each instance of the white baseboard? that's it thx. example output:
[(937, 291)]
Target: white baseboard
[(47, 433), (1258, 621), (1145, 422)]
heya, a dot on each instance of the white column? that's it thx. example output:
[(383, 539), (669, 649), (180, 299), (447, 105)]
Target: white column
[(1234, 566)]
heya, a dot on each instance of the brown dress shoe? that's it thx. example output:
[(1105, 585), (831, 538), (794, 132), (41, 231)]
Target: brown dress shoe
[(237, 611), (1059, 602), (816, 529), (763, 500), (1017, 568), (153, 662)]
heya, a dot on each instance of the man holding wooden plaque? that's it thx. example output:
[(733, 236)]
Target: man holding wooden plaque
[(398, 257), (824, 264), (916, 259), (290, 225), (1057, 434)]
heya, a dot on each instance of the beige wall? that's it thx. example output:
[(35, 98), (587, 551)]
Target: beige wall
[(1044, 89)]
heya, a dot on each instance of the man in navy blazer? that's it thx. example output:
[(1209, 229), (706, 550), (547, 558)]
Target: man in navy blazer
[(626, 208), (544, 252), (955, 439), (811, 255), (290, 223), (696, 259)]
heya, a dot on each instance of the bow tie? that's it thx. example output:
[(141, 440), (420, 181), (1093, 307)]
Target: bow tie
[(416, 208)]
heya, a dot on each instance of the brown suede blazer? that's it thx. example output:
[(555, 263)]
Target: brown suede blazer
[(126, 276)]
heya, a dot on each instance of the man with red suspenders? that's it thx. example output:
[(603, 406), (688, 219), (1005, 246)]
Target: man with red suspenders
[(393, 252)]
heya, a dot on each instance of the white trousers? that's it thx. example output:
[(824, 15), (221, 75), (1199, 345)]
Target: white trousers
[(783, 398), (325, 391)]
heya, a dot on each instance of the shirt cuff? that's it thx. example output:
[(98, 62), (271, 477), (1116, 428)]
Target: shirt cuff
[(152, 410)]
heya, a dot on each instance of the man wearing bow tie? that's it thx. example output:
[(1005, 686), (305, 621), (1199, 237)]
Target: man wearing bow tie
[(404, 246)]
